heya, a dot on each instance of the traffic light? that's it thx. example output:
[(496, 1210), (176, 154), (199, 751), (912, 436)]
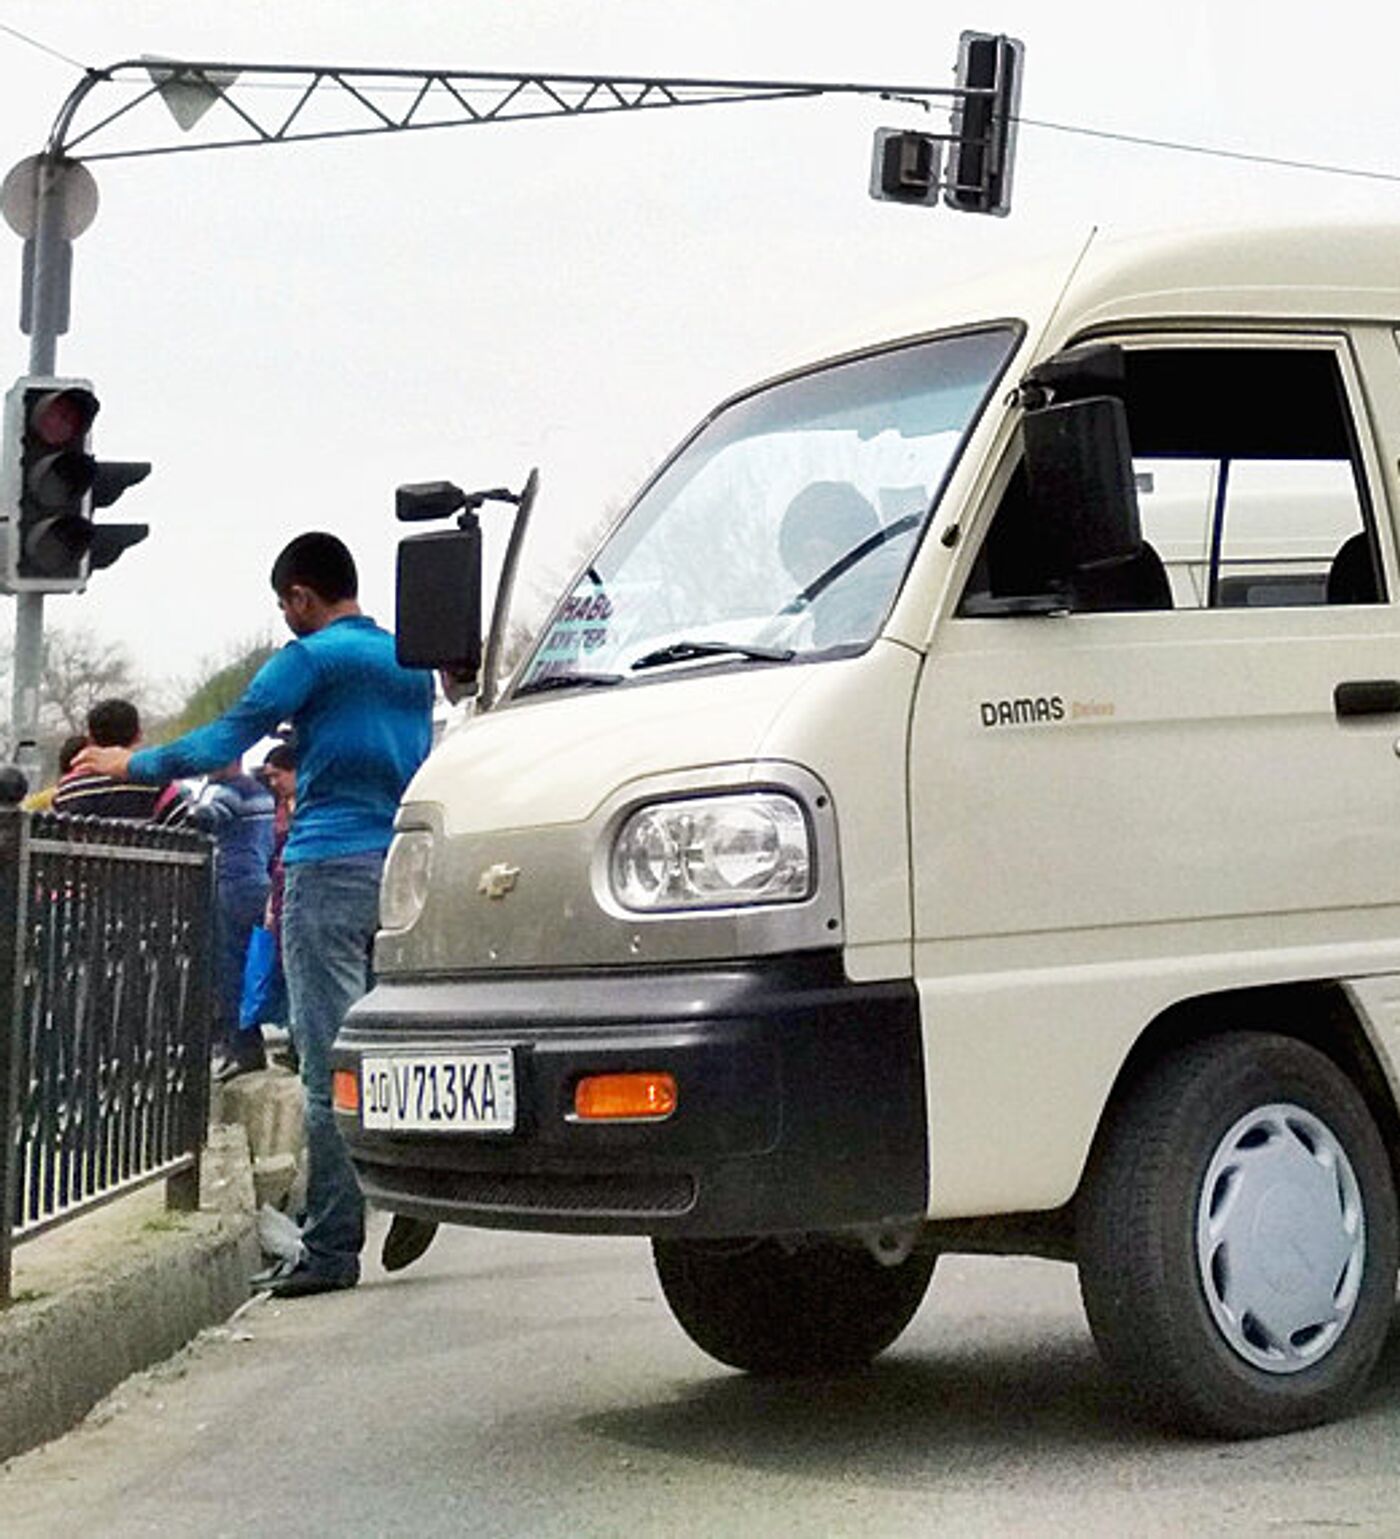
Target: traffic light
[(49, 486), (906, 166), (984, 126)]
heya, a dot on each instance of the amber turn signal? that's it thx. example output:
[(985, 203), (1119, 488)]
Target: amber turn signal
[(345, 1090), (614, 1097)]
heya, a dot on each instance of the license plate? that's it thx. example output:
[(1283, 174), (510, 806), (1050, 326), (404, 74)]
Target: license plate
[(438, 1092)]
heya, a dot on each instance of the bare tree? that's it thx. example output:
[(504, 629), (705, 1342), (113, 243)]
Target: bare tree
[(77, 670)]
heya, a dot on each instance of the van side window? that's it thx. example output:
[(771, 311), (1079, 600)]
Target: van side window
[(1249, 485)]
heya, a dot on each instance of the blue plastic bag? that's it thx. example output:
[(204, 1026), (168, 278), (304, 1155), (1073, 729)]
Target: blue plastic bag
[(264, 1000)]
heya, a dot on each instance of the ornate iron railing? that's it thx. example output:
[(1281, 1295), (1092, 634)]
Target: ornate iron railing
[(105, 957)]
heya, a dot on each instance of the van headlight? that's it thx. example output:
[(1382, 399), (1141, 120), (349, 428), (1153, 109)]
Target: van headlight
[(713, 852), (403, 889)]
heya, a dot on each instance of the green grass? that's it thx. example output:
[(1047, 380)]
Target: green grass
[(166, 1223)]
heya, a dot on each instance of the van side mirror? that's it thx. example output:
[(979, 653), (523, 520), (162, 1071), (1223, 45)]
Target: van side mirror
[(439, 583), (438, 622), (1092, 368), (1079, 474)]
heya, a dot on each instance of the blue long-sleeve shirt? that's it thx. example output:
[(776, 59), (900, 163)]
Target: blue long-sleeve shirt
[(363, 726)]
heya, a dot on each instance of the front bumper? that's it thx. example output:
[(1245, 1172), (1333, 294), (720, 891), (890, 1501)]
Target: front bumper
[(801, 1100)]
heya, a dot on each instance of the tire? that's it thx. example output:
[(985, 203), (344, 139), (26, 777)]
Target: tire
[(1238, 1238), (821, 1307)]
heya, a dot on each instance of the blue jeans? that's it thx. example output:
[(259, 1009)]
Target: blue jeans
[(328, 925)]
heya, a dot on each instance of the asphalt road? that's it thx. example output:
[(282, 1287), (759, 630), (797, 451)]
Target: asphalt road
[(525, 1385)]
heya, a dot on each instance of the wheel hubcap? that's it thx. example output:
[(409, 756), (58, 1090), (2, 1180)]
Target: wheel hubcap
[(1280, 1238)]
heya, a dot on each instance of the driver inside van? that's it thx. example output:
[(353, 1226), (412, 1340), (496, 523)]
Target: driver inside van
[(830, 543)]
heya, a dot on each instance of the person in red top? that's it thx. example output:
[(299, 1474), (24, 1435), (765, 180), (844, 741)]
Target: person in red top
[(278, 773)]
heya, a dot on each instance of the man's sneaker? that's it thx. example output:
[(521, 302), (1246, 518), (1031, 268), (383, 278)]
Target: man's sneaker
[(406, 1240)]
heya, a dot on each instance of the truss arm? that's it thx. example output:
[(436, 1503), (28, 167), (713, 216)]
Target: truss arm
[(250, 104)]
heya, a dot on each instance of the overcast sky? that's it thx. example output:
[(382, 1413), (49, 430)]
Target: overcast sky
[(288, 333)]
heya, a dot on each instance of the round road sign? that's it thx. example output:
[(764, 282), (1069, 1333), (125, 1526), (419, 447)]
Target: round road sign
[(75, 187)]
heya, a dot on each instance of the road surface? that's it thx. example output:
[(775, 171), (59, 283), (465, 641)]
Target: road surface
[(536, 1386)]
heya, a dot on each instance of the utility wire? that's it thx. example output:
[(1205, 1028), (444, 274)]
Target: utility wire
[(34, 42), (1182, 148)]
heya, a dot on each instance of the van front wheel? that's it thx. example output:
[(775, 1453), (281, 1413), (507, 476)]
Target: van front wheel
[(769, 1306), (1238, 1238)]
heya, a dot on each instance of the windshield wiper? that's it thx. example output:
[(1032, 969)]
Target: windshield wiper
[(684, 651), (567, 681), (853, 557)]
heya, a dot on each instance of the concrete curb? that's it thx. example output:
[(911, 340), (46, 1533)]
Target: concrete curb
[(271, 1107), (59, 1355)]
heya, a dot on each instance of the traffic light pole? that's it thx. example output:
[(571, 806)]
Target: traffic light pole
[(46, 304)]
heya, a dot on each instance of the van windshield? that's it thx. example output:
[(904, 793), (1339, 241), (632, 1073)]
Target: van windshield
[(784, 527)]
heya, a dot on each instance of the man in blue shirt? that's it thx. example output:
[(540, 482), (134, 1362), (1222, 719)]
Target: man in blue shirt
[(363, 726)]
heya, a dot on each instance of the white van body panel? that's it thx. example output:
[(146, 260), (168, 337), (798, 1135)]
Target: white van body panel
[(558, 764), (555, 760), (863, 762), (1075, 878), (1019, 1143)]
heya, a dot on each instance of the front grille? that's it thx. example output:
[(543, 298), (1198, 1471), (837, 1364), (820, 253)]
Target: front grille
[(606, 1193)]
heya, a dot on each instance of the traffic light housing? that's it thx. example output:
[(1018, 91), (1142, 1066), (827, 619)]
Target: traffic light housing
[(906, 167), (50, 484), (984, 125)]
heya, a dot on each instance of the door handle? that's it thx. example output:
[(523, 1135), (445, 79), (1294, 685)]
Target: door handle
[(1367, 697)]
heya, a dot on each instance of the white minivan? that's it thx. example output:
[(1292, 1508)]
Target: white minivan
[(956, 808)]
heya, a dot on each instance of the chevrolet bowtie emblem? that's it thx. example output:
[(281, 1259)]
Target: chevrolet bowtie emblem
[(496, 881)]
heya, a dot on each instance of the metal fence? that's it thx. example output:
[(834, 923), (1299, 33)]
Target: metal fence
[(105, 992)]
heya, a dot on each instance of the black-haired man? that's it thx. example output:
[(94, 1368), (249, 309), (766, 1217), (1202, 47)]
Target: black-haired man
[(116, 723), (363, 726)]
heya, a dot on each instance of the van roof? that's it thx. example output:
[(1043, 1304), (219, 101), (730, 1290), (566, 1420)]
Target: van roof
[(1283, 272), (1278, 274)]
